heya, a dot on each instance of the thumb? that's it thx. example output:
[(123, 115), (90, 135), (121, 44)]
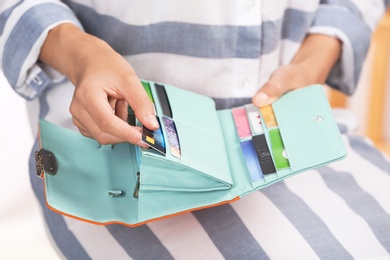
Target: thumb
[(142, 106), (268, 93)]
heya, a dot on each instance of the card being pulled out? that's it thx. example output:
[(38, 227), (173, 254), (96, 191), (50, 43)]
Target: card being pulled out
[(155, 139)]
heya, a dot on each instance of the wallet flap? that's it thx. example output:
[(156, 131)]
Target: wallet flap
[(92, 182), (309, 132), (201, 140)]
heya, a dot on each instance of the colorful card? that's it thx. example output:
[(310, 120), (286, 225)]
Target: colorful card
[(173, 139), (278, 151), (164, 102), (263, 154), (147, 90), (251, 160), (269, 116), (155, 139), (254, 119), (241, 121)]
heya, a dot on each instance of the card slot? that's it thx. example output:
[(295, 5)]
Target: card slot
[(199, 132), (279, 152), (254, 118), (158, 174), (206, 153), (200, 145), (251, 160), (194, 110), (163, 99)]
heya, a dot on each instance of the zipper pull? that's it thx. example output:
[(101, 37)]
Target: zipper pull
[(136, 189)]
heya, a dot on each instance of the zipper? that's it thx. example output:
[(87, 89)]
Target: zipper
[(137, 184)]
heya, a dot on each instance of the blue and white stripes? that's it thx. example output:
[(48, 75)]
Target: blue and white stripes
[(21, 40), (225, 49)]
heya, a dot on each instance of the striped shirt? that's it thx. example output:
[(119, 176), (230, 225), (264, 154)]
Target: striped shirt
[(224, 49)]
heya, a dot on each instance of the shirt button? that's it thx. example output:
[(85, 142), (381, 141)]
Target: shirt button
[(245, 83), (37, 80)]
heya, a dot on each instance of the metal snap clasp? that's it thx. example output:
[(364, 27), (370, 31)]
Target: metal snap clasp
[(319, 118)]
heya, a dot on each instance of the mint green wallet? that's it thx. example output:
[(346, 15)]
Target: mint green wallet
[(125, 184)]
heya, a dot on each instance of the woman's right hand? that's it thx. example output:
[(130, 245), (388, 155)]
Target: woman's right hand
[(105, 84)]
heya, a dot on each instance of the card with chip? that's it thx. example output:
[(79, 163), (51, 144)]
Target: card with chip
[(241, 121), (155, 139), (163, 98), (254, 119), (269, 116), (278, 151), (173, 139), (263, 154), (252, 163)]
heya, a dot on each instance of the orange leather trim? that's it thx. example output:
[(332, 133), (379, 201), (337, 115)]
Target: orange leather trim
[(137, 224)]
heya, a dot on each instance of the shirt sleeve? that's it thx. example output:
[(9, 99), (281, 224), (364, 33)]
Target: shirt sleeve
[(352, 22), (23, 29)]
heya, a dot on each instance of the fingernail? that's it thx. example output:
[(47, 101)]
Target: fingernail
[(261, 99), (152, 121)]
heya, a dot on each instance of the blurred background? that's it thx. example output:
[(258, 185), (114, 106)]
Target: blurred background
[(371, 102), (22, 231)]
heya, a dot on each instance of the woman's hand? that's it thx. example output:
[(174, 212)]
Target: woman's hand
[(105, 84), (311, 65)]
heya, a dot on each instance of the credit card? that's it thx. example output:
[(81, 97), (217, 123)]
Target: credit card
[(155, 139), (254, 119), (278, 151), (147, 90), (164, 102), (241, 121), (252, 163), (173, 139), (268, 116), (263, 154)]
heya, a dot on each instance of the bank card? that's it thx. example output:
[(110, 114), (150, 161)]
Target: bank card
[(251, 160), (278, 151), (163, 98), (254, 119), (241, 121), (268, 116), (173, 138), (263, 154), (155, 139), (147, 90)]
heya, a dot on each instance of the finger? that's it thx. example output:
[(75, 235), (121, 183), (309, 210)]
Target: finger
[(79, 125), (88, 127), (121, 109), (105, 122), (268, 93), (141, 104), (112, 102)]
